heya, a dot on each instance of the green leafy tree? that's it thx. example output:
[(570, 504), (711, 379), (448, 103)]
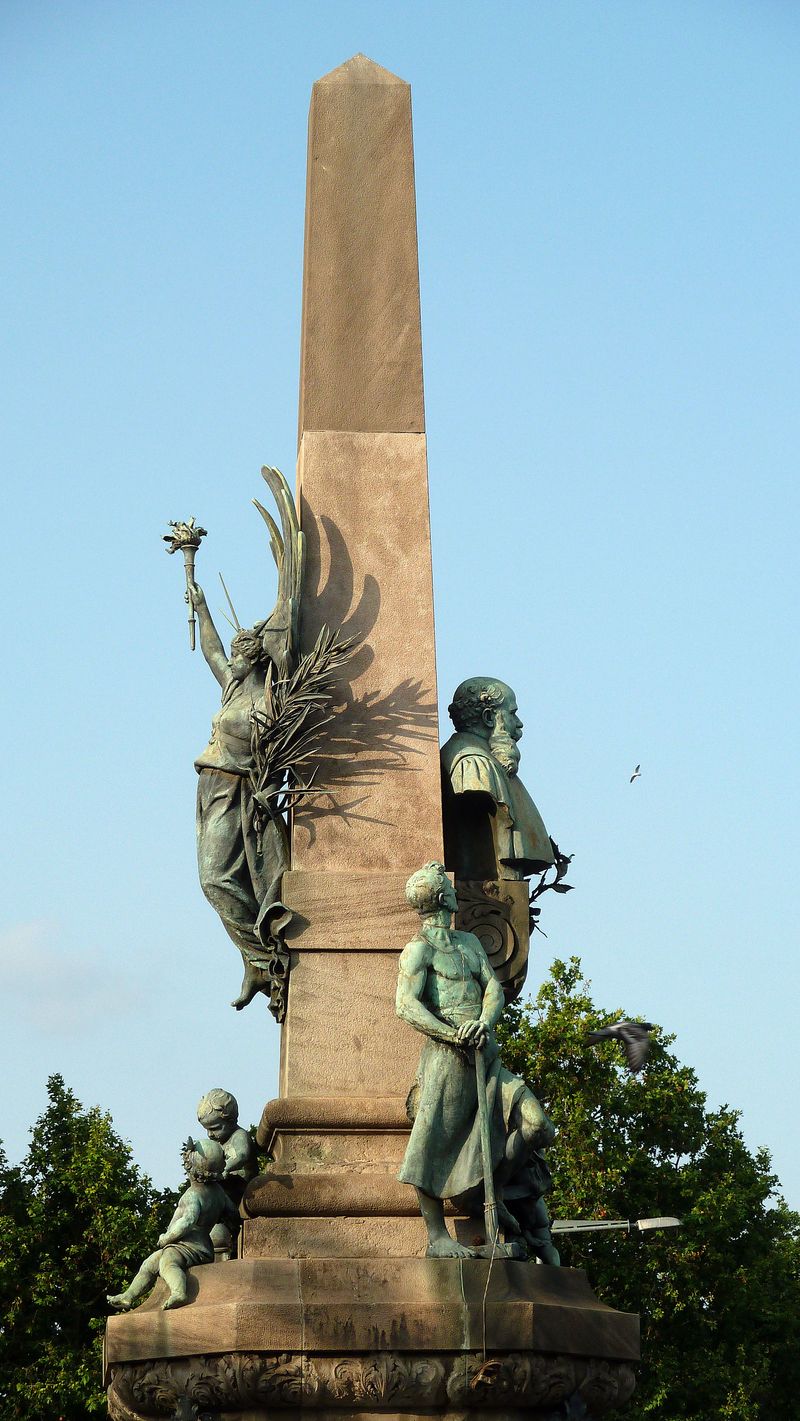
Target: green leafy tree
[(76, 1218), (720, 1297)]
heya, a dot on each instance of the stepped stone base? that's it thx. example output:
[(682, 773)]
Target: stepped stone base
[(376, 1337), (337, 1237)]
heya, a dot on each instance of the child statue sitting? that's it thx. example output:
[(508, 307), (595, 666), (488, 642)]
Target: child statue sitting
[(187, 1240), (218, 1113)]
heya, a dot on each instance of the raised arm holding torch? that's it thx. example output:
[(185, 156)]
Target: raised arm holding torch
[(186, 537)]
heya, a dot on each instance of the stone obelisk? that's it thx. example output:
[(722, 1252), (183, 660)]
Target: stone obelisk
[(363, 493), (346, 1061)]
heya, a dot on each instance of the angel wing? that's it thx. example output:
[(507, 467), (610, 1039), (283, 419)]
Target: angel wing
[(280, 631)]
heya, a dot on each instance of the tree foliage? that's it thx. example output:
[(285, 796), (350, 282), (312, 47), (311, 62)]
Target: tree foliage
[(76, 1218), (720, 1297)]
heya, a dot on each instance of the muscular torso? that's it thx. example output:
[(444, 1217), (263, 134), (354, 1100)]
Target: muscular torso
[(453, 985)]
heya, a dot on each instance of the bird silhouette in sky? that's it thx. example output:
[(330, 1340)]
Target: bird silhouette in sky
[(637, 774), (633, 1036)]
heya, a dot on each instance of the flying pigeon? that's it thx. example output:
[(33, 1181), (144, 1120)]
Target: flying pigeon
[(634, 1036), (637, 774)]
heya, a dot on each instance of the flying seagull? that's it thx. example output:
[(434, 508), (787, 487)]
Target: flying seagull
[(637, 774), (634, 1036)]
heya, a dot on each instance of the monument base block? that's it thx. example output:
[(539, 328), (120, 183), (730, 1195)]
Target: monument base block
[(374, 1337)]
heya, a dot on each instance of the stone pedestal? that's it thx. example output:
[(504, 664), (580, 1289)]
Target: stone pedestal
[(391, 1337)]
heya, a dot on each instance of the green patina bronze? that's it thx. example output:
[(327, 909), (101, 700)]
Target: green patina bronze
[(242, 840), (492, 828), (259, 759), (495, 841), (448, 990), (188, 1238), (218, 1113)]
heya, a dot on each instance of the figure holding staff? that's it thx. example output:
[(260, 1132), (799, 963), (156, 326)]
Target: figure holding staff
[(478, 1130)]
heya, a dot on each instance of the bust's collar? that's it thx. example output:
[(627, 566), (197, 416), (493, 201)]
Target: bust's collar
[(465, 742)]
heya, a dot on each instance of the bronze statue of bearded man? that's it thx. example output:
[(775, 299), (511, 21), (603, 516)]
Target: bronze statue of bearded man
[(492, 828)]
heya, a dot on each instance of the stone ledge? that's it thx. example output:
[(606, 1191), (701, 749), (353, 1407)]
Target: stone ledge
[(335, 1112), (342, 1305), (327, 1195), (364, 1236)]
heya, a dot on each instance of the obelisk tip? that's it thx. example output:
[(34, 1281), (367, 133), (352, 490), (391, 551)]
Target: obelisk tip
[(360, 70)]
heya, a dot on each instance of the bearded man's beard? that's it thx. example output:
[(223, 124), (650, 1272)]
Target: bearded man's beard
[(505, 750)]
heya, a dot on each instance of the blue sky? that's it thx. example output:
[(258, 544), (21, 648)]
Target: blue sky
[(608, 218)]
